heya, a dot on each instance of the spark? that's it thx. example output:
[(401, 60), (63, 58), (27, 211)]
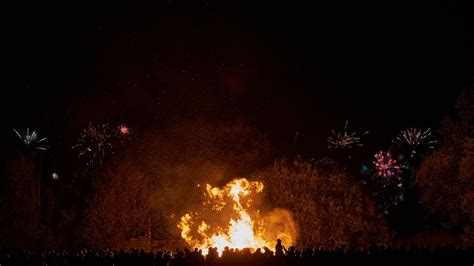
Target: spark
[(344, 139), (295, 140), (416, 139), (386, 182), (385, 165), (93, 143), (31, 140), (54, 176)]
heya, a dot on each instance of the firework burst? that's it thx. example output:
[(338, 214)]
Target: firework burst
[(94, 143), (123, 130), (416, 140), (344, 139), (31, 140), (385, 165)]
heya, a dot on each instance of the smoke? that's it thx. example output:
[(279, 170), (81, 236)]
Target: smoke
[(279, 224)]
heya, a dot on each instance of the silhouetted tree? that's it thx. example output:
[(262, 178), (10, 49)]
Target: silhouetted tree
[(120, 209), (330, 208), (445, 178), (19, 213)]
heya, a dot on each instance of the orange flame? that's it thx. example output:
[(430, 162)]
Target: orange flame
[(243, 228)]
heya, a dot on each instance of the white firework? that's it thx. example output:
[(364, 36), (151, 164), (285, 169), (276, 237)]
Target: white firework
[(31, 140)]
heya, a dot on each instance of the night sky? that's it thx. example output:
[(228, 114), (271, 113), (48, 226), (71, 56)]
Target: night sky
[(280, 67)]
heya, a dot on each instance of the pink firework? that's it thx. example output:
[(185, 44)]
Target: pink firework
[(386, 166), (124, 130)]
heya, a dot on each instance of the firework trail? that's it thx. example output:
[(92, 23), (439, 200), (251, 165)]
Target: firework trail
[(416, 140), (295, 140), (385, 165), (344, 139), (31, 140)]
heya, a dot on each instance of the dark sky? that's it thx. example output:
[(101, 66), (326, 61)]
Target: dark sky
[(282, 67)]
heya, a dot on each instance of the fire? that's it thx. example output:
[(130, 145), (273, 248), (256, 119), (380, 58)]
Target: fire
[(233, 222)]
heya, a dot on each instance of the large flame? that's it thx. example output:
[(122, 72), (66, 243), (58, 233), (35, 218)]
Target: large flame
[(232, 222)]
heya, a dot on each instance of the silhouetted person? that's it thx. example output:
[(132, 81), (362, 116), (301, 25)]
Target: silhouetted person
[(279, 249)]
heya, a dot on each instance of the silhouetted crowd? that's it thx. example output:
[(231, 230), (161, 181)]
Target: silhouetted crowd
[(373, 255)]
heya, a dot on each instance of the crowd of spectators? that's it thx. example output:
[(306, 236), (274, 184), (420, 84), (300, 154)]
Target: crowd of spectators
[(373, 255)]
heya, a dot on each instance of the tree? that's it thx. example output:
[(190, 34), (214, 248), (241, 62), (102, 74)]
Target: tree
[(445, 178), (28, 212), (25, 213), (19, 215), (330, 208), (120, 209), (466, 171)]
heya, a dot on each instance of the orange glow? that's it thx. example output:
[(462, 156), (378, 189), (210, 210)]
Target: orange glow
[(242, 226)]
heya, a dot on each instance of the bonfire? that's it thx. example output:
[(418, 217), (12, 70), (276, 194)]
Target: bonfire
[(229, 219)]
